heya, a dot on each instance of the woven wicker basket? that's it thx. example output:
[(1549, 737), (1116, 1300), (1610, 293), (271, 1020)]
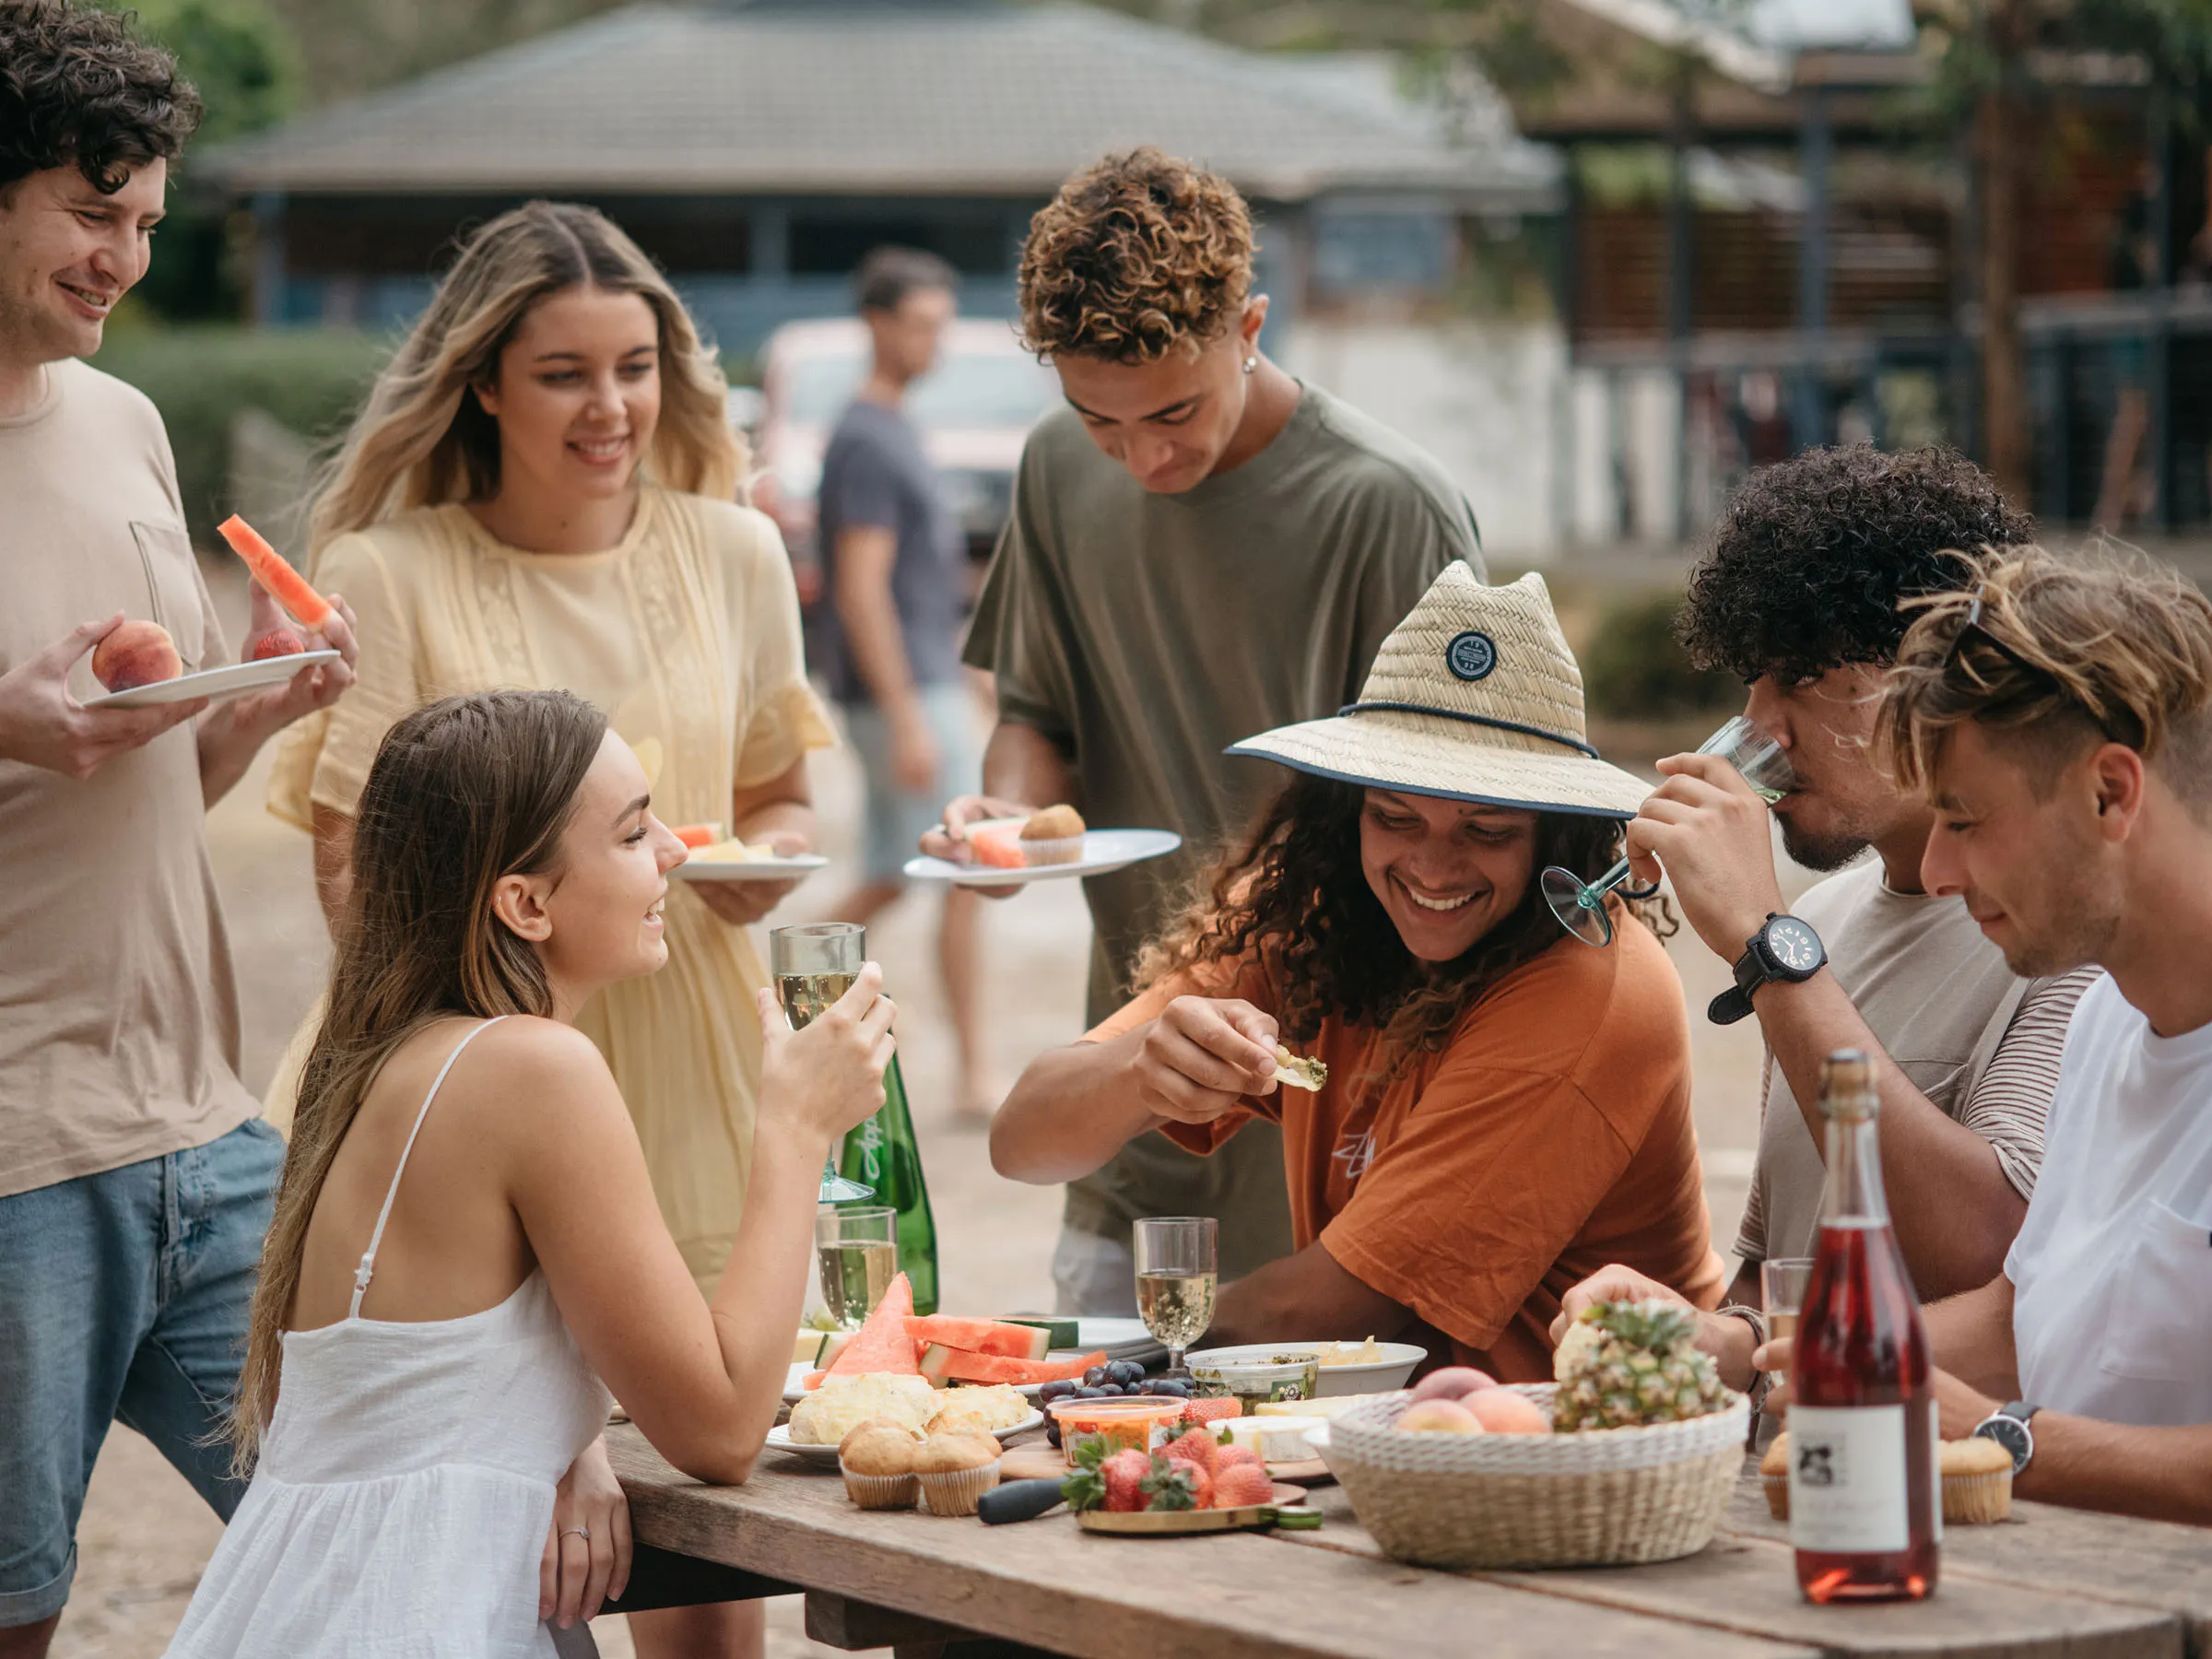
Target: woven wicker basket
[(1603, 1497)]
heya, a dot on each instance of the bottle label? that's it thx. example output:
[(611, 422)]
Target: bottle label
[(1936, 1461), (1847, 1479)]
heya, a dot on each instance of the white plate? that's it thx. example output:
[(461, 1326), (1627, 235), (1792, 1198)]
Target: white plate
[(1103, 850), (213, 682), (780, 1438), (1396, 1364), (747, 869)]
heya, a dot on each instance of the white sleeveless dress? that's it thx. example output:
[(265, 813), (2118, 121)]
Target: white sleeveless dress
[(405, 1483)]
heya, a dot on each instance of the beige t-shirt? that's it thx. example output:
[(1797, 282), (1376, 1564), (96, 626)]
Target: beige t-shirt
[(118, 1013), (1981, 1045), (1146, 633)]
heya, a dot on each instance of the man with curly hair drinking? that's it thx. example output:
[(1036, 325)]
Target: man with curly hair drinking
[(135, 1174), (1804, 595), (1503, 1107), (1200, 545)]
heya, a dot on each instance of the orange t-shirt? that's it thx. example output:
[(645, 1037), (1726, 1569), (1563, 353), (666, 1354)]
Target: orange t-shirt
[(1549, 1137)]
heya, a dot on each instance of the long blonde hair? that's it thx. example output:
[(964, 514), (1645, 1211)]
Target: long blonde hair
[(463, 792), (423, 440)]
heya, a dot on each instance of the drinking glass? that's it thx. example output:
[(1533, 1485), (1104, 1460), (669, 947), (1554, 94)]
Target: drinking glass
[(1580, 905), (857, 1247), (814, 965), (1177, 1271), (1782, 1284)]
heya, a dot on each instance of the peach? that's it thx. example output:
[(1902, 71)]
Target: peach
[(277, 642), (1439, 1416), (1453, 1383), (136, 654), (1501, 1411)]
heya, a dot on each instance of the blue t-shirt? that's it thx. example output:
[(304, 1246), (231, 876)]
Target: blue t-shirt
[(875, 475)]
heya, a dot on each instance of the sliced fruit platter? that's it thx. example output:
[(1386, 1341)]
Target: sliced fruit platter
[(1189, 1483)]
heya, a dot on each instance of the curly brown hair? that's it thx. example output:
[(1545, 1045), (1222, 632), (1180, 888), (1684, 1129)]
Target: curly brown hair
[(1293, 898), (1813, 557), (76, 87), (1140, 255)]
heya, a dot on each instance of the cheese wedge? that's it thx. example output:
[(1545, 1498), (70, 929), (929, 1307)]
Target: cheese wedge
[(1330, 1407), (1275, 1439)]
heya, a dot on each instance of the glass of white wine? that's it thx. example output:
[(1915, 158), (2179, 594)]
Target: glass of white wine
[(1177, 1268), (814, 965), (1782, 1285), (857, 1246)]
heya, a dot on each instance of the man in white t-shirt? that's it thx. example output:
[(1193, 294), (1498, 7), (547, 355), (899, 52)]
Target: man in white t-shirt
[(2058, 714)]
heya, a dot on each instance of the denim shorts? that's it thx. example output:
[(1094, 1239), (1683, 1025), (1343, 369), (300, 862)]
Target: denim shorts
[(896, 821), (123, 1297)]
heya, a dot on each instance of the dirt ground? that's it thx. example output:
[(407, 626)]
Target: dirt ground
[(146, 1536)]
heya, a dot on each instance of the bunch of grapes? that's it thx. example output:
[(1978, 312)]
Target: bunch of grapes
[(1115, 1378)]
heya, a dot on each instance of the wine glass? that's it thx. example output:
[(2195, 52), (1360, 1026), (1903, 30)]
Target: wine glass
[(857, 1249), (1781, 1287), (1177, 1271), (1580, 905), (814, 965)]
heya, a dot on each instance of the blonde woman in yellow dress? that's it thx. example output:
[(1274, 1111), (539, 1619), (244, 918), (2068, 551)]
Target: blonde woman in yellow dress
[(541, 493)]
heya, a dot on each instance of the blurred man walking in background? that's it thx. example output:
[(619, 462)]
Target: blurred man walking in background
[(894, 570)]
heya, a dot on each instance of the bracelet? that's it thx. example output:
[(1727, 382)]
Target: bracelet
[(1761, 1382)]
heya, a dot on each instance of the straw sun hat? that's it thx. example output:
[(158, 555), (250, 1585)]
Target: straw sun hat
[(1473, 696)]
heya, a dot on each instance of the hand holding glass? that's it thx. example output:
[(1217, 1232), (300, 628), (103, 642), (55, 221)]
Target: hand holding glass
[(1782, 1284), (815, 965), (1580, 906), (1177, 1270)]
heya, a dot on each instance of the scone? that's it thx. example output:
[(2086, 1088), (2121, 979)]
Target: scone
[(1052, 836), (877, 1460), (1977, 1481), (955, 1471), (1775, 1474)]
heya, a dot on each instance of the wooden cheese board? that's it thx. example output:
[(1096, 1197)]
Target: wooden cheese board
[(1175, 1522)]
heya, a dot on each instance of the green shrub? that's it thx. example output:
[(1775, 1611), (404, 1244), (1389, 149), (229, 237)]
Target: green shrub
[(201, 376), (1634, 668)]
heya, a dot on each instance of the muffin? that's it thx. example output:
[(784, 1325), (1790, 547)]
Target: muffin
[(955, 1471), (1053, 836), (1774, 1475), (1977, 1481), (877, 1460)]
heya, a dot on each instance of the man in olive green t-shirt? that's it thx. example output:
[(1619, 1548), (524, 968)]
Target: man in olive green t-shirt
[(1201, 548)]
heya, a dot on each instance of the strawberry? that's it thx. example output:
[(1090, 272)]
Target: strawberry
[(1230, 1457), (1196, 1445), (1242, 1485), (1178, 1484), (1127, 1475)]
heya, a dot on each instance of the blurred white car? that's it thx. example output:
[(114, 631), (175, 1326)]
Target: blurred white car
[(974, 408)]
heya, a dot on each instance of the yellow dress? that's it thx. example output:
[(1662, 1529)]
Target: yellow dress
[(687, 633)]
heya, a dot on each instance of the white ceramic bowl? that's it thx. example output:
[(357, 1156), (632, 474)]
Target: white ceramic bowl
[(1378, 1377)]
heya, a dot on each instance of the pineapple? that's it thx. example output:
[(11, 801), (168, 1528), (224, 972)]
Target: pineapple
[(1624, 1365)]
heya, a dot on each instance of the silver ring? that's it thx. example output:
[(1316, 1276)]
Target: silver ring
[(582, 1532)]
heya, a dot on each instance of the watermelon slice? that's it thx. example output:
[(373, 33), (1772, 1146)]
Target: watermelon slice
[(696, 836), (943, 1365), (980, 1336), (881, 1343), (285, 584)]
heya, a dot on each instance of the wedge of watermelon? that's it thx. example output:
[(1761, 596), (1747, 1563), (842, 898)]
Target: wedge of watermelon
[(944, 1365), (881, 1343), (980, 1336)]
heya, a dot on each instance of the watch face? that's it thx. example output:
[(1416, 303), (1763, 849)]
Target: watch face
[(1795, 945), (2010, 1435)]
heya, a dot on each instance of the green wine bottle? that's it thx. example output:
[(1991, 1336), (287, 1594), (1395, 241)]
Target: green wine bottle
[(882, 1153)]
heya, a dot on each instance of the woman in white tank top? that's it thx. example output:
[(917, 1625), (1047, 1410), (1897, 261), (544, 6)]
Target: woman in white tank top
[(443, 1290)]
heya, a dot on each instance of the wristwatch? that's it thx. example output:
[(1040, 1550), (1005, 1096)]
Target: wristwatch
[(1784, 948), (2007, 1425)]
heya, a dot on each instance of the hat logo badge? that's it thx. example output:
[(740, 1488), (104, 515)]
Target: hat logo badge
[(1471, 655)]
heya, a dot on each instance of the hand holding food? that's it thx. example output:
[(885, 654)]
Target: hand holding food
[(42, 725), (136, 654), (1203, 1056), (951, 841), (742, 903)]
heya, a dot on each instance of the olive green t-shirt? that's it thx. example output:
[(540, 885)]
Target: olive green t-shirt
[(1146, 633)]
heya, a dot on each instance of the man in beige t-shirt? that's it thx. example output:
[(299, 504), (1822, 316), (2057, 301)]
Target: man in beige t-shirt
[(134, 1181), (1201, 548)]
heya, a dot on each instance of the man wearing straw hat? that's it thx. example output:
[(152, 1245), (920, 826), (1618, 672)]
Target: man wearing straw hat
[(1504, 1108), (1200, 546)]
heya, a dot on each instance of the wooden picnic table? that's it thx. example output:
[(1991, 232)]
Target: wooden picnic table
[(2051, 1582)]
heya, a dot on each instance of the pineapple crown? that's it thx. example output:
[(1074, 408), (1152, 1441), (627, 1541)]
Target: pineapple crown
[(1652, 1323)]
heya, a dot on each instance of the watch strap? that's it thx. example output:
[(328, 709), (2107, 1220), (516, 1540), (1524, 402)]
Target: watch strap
[(1729, 1006), (2020, 1411)]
